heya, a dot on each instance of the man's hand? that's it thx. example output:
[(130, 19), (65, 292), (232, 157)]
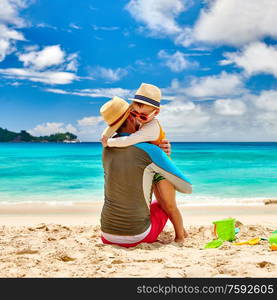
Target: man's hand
[(166, 146), (104, 141)]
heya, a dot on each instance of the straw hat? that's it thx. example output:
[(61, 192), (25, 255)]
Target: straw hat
[(114, 113), (148, 94)]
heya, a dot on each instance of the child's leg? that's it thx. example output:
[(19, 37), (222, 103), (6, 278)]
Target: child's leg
[(166, 196)]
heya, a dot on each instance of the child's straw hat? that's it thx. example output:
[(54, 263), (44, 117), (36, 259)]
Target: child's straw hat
[(148, 94)]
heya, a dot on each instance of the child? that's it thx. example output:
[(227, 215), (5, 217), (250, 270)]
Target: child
[(145, 107)]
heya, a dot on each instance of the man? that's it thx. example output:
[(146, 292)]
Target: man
[(129, 216)]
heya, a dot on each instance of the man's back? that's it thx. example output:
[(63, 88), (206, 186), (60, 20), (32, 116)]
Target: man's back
[(126, 207)]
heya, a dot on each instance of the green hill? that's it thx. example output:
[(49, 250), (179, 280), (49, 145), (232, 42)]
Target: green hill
[(24, 136)]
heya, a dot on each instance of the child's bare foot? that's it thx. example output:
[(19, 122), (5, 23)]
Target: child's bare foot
[(179, 240)]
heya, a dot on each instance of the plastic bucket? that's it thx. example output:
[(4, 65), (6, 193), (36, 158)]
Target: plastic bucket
[(273, 239), (225, 229)]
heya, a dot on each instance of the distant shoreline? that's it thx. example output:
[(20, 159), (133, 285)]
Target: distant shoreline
[(25, 137)]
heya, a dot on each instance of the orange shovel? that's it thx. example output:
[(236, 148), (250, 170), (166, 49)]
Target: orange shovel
[(273, 247)]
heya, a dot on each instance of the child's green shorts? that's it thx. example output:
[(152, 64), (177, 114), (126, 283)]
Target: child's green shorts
[(157, 178)]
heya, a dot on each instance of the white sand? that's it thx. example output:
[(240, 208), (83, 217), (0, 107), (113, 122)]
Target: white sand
[(64, 241)]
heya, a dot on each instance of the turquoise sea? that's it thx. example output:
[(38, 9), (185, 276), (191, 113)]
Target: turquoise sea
[(221, 173)]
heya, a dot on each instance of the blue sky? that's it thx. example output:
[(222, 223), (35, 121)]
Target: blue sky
[(214, 60)]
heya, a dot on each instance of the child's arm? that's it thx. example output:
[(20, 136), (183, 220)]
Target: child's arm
[(104, 140), (148, 132)]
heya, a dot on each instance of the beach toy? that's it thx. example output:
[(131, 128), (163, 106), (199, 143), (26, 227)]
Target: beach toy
[(273, 239), (225, 229), (250, 242), (214, 244), (273, 247)]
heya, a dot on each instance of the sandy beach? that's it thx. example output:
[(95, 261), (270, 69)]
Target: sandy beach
[(63, 241)]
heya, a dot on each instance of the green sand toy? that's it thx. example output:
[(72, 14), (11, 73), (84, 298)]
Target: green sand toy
[(273, 239), (214, 244), (225, 229)]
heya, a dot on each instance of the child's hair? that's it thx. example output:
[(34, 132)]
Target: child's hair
[(138, 104)]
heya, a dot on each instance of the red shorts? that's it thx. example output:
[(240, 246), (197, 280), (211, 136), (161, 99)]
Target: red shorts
[(158, 219)]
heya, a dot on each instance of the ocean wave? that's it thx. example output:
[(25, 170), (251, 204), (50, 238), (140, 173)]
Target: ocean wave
[(187, 200)]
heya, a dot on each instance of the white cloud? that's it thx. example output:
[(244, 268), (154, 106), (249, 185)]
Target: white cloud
[(74, 26), (91, 133), (4, 49), (8, 37), (90, 121), (50, 77), (45, 66), (35, 62), (234, 22), (182, 117), (109, 93), (90, 128), (95, 93), (225, 120), (205, 88), (86, 129), (29, 48), (229, 107), (16, 83), (254, 58), (57, 91), (44, 25), (39, 60), (52, 128), (220, 85), (70, 128), (105, 28), (110, 75), (10, 34), (158, 15), (175, 62), (9, 12), (267, 100), (72, 62), (268, 121), (238, 117)]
